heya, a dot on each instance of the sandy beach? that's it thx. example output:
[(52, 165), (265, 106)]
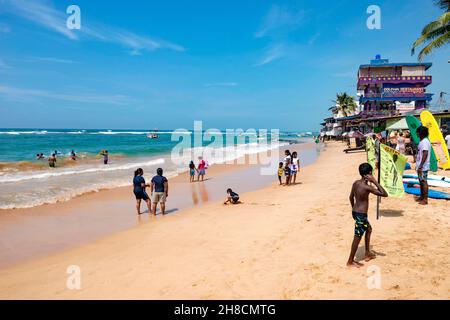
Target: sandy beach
[(281, 243)]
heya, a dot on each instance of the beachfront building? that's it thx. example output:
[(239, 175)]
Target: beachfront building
[(390, 89)]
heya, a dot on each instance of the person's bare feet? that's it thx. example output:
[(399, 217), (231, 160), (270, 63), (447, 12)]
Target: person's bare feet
[(418, 199), (423, 202), (370, 256), (354, 264)]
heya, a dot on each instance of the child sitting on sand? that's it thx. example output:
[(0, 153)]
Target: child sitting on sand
[(280, 173), (359, 199), (232, 197)]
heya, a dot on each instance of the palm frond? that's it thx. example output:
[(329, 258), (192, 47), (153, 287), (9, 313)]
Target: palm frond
[(437, 43)]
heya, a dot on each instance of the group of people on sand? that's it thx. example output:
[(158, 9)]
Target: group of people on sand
[(200, 170), (159, 191), (362, 188), (289, 167)]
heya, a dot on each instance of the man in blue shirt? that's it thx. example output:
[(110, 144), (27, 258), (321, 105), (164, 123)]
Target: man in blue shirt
[(159, 191)]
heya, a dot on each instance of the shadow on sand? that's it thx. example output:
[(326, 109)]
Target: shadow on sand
[(391, 213)]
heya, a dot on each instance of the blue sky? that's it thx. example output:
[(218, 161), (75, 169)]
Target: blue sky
[(147, 64)]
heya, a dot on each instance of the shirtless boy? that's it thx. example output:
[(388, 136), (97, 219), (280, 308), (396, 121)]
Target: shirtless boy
[(359, 199)]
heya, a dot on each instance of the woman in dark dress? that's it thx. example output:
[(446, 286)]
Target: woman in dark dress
[(139, 190)]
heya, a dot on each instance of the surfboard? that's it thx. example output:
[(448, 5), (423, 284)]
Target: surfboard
[(431, 193), (413, 124), (432, 183), (436, 138), (430, 177)]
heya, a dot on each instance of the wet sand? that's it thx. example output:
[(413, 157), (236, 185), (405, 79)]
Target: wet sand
[(281, 243), (36, 232)]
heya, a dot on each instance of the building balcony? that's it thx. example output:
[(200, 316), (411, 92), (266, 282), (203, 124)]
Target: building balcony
[(396, 97), (426, 80), (378, 114)]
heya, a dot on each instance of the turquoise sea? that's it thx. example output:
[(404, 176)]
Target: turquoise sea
[(27, 182)]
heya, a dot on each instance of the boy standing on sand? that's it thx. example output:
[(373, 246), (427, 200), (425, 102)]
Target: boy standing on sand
[(359, 199), (280, 172), (423, 163)]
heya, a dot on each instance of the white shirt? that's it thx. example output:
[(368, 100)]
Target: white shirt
[(424, 145), (447, 139)]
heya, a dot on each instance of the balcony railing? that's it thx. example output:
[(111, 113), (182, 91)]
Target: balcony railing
[(395, 79), (397, 96)]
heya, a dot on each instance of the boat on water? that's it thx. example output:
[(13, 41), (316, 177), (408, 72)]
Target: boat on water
[(153, 134)]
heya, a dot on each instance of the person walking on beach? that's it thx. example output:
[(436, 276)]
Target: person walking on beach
[(159, 191), (280, 173), (359, 200), (401, 143), (295, 166), (139, 191), (201, 169), (423, 163), (52, 161), (287, 166), (232, 197), (192, 171)]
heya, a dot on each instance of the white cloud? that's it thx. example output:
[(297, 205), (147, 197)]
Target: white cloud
[(221, 84), (272, 54), (48, 59), (280, 18), (20, 94), (43, 14)]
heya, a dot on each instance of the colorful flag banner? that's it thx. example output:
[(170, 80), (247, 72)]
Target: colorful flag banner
[(392, 165)]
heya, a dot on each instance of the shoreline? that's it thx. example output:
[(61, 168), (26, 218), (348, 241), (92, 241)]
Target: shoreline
[(39, 231), (281, 243)]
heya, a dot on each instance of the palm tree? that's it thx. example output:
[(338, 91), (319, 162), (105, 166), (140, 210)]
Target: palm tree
[(345, 104), (436, 34)]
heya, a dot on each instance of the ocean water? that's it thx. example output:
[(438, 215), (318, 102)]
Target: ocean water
[(26, 182)]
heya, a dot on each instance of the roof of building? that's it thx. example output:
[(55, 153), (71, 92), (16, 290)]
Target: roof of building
[(378, 62), (427, 65)]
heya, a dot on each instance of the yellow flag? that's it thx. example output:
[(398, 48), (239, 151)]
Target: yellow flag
[(392, 165), (370, 149)]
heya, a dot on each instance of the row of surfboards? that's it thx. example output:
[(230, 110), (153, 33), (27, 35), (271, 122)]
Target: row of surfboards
[(439, 157), (411, 183)]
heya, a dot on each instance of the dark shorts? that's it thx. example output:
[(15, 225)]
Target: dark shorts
[(192, 172), (423, 177), (141, 195), (234, 199), (361, 223)]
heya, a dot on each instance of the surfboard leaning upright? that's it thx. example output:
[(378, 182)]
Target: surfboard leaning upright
[(436, 138), (413, 124)]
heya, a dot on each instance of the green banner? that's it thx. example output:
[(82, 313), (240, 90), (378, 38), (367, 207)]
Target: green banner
[(371, 154), (391, 175)]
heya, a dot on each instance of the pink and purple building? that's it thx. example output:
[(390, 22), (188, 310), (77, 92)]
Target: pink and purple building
[(389, 89)]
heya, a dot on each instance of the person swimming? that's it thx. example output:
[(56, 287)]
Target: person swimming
[(73, 155), (52, 161)]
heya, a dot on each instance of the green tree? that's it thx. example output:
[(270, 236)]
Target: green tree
[(345, 104), (435, 34)]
